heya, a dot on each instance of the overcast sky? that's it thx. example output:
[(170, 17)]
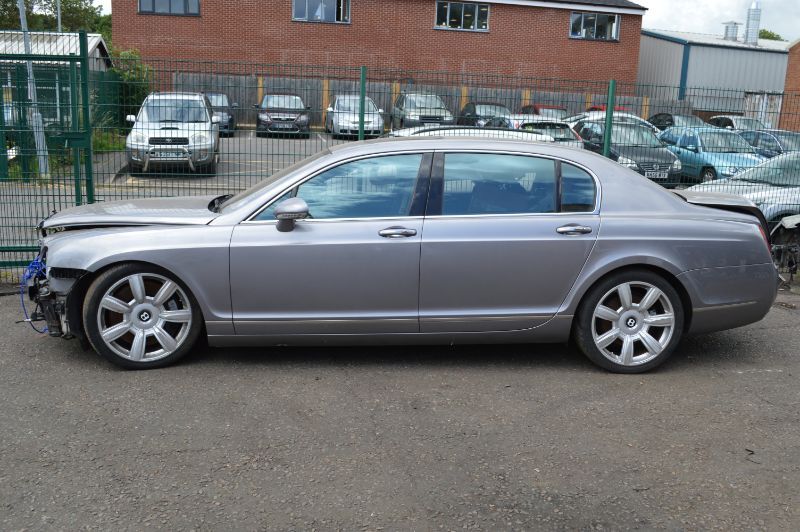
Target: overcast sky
[(704, 16)]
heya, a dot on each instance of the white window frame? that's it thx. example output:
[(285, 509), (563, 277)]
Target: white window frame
[(583, 14), (477, 7), (307, 19), (185, 13)]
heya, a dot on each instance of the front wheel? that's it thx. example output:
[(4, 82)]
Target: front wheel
[(139, 317), (630, 322), (709, 174)]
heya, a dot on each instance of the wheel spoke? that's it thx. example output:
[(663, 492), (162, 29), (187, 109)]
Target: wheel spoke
[(625, 297), (605, 313), (626, 355), (660, 320), (116, 331), (650, 298), (115, 305), (165, 293), (167, 342), (138, 346), (607, 339), (653, 346), (176, 316), (136, 283)]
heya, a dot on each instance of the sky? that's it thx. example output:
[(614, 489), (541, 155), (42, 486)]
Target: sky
[(707, 16), (703, 16)]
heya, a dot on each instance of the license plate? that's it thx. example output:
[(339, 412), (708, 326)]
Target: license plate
[(168, 155), (656, 175), (282, 126)]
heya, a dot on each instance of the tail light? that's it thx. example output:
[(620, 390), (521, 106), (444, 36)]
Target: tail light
[(765, 236)]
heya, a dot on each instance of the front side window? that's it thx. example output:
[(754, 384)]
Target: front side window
[(379, 187), (462, 16), (594, 26), (321, 10), (724, 142), (170, 7)]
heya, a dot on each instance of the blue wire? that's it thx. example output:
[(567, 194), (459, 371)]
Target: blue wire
[(34, 270)]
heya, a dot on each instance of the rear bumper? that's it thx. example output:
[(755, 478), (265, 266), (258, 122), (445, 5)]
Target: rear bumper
[(730, 297)]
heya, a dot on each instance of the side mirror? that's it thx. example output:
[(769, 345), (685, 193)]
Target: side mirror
[(289, 211), (329, 109), (235, 105), (130, 118), (215, 119)]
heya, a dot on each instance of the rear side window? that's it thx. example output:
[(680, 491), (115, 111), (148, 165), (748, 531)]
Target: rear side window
[(578, 191)]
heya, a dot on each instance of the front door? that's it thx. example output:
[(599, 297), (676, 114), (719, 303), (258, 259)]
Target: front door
[(352, 267), (507, 243)]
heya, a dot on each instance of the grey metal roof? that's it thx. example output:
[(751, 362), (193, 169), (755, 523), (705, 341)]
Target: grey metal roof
[(705, 39), (50, 43), (606, 3)]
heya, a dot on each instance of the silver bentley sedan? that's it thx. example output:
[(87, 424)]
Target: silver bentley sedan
[(411, 241)]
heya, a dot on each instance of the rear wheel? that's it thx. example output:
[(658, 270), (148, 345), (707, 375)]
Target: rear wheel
[(708, 174), (630, 322), (139, 317)]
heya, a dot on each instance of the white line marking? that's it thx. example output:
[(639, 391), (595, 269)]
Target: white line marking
[(322, 138)]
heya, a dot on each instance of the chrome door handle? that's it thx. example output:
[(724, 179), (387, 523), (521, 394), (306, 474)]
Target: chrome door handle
[(574, 229), (397, 232)]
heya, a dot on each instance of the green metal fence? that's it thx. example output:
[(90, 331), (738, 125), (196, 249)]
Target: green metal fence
[(282, 113)]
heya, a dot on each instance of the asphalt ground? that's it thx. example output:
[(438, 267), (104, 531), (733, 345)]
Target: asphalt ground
[(413, 438)]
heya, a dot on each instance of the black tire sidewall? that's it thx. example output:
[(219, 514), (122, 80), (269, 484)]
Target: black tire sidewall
[(91, 306), (582, 332)]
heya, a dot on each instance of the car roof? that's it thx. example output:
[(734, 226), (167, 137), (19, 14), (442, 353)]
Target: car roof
[(176, 95)]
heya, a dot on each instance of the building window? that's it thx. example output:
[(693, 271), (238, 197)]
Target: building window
[(321, 10), (594, 26), (170, 7), (462, 16)]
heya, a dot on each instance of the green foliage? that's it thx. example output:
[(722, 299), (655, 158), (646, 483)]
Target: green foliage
[(41, 14), (135, 80), (769, 35)]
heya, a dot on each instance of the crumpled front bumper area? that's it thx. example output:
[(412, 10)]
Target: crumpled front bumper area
[(49, 291)]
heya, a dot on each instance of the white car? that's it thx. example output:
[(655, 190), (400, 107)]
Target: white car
[(174, 129), (344, 114), (558, 129), (619, 117), (466, 131)]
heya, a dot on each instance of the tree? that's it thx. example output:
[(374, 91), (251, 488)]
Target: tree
[(75, 15), (769, 35)]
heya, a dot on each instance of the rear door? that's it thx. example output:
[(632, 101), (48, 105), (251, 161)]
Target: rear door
[(506, 236)]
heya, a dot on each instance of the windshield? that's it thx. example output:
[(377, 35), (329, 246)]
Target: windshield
[(790, 141), (491, 110), (781, 172), (625, 135), (169, 110), (351, 105), (749, 123), (282, 101), (557, 131), (424, 101), (724, 142), (688, 121), (218, 100)]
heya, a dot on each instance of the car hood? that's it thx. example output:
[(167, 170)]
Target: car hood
[(755, 192), (191, 210), (294, 113), (740, 160), (642, 154)]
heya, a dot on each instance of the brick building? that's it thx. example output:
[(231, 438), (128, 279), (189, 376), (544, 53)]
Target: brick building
[(570, 39), (790, 114)]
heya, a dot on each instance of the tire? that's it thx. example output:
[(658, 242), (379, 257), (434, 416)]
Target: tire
[(615, 334), (707, 175), (209, 169), (135, 169), (123, 302)]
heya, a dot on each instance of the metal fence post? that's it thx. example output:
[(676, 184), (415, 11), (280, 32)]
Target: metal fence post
[(74, 124), (87, 124), (22, 124), (3, 149), (361, 101), (612, 93)]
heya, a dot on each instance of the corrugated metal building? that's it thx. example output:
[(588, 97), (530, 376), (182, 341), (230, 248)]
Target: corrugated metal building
[(715, 73)]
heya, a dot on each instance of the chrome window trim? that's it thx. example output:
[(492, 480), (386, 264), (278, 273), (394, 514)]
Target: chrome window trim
[(300, 180), (338, 220), (597, 187)]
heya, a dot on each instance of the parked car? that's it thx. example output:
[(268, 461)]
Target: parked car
[(558, 129), (635, 147), (548, 111), (304, 258), (664, 121), (174, 129), (478, 113), (223, 108), (419, 109), (344, 114), (283, 113), (772, 142), (773, 186), (618, 117), (467, 131), (738, 123), (708, 153)]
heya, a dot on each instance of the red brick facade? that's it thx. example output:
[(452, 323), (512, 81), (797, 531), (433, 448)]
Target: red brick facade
[(522, 40), (790, 112)]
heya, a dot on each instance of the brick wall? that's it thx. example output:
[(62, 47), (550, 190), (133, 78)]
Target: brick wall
[(790, 112), (524, 41)]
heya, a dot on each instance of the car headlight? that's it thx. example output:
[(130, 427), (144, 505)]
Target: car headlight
[(264, 117), (200, 138), (730, 170), (677, 166), (138, 138), (627, 163)]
